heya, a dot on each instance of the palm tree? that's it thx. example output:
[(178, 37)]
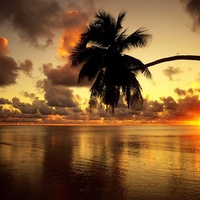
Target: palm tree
[(101, 52)]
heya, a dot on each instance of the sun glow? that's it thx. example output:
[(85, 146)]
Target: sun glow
[(195, 122)]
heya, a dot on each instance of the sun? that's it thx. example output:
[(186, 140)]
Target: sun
[(3, 42), (195, 122)]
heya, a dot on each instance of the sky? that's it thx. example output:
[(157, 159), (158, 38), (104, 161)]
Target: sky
[(39, 86)]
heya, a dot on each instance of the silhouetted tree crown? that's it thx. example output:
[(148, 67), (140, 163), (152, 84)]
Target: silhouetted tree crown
[(100, 51)]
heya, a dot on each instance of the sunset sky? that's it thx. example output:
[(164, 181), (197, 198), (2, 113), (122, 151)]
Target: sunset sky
[(38, 85)]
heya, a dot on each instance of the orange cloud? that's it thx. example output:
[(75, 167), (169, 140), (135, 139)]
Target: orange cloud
[(54, 118), (71, 35), (67, 42)]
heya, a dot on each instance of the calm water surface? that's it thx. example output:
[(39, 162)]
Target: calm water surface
[(105, 163)]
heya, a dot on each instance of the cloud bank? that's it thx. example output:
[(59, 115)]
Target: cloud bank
[(37, 21), (62, 107), (192, 7)]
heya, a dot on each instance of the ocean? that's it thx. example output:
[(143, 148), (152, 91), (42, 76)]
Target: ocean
[(100, 162)]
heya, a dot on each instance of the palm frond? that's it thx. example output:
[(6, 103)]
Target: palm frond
[(74, 56), (120, 38), (106, 25), (137, 39), (93, 34), (93, 103), (120, 18), (105, 19), (127, 93), (86, 35), (111, 97), (136, 91), (97, 87), (136, 66), (91, 68), (96, 90), (132, 91), (79, 55), (147, 73), (133, 64)]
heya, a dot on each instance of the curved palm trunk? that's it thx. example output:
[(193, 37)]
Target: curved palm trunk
[(172, 58)]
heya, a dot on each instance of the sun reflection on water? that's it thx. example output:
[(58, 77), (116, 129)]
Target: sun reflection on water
[(109, 162)]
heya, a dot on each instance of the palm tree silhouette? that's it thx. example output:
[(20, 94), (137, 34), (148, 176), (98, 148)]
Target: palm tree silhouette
[(100, 51)]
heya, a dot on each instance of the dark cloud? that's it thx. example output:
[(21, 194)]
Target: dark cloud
[(190, 104), (197, 90), (8, 112), (155, 106), (12, 116), (8, 70), (27, 67), (33, 20), (193, 8), (58, 101), (169, 103), (39, 111), (149, 110), (43, 108), (188, 92), (8, 66), (169, 110), (4, 101), (180, 92), (63, 75), (58, 96), (32, 96), (23, 107), (183, 109), (36, 21), (170, 72)]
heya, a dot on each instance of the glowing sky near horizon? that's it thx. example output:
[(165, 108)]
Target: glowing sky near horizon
[(39, 86)]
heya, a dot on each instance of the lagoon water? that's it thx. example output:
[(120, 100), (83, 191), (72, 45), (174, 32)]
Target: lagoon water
[(99, 162)]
